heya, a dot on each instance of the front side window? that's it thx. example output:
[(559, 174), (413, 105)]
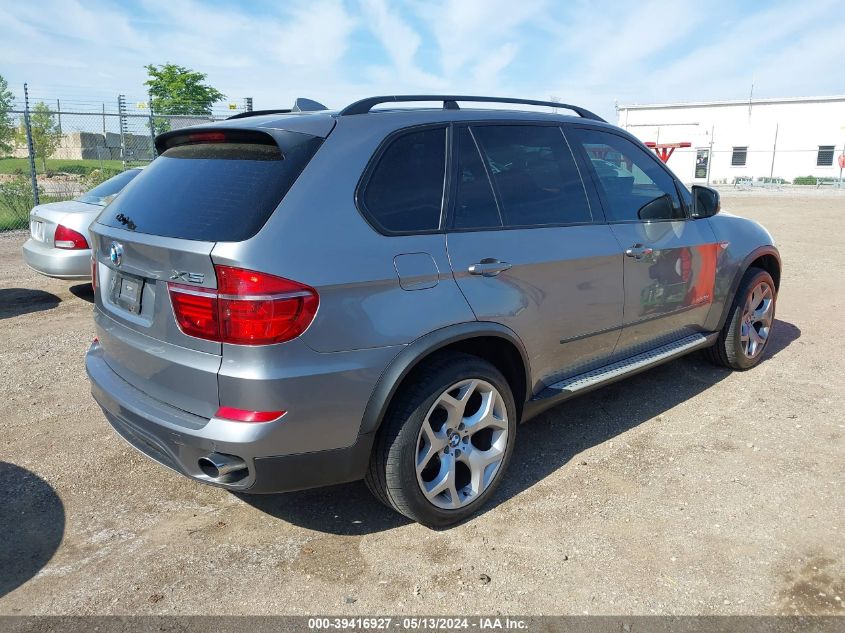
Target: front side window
[(534, 175), (404, 193), (635, 187), (739, 156), (825, 156)]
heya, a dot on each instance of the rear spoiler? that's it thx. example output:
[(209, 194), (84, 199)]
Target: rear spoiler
[(197, 135)]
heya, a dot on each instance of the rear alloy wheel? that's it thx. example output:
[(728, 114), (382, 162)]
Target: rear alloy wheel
[(445, 442), (748, 328), (462, 443)]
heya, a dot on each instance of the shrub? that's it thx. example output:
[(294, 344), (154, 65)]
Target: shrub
[(16, 201), (805, 180)]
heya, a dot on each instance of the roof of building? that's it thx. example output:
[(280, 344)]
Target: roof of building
[(735, 102)]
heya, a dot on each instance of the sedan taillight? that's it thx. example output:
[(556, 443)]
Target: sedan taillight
[(69, 239), (248, 308)]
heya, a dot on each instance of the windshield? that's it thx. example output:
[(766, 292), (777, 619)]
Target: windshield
[(105, 192)]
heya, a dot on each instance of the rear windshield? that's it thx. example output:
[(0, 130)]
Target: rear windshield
[(213, 192), (103, 193)]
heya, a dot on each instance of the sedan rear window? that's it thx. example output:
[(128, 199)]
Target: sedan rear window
[(213, 192)]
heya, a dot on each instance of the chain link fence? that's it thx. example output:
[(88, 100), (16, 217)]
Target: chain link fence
[(62, 150)]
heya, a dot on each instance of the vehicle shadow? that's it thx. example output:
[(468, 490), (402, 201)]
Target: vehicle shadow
[(546, 443), (32, 522), (18, 301), (83, 291)]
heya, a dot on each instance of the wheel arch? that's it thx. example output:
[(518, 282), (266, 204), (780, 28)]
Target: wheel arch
[(764, 257), (490, 341)]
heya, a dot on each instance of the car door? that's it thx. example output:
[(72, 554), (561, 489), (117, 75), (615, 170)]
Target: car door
[(529, 248), (669, 258)]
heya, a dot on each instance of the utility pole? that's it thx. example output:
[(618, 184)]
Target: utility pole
[(710, 155), (30, 148), (774, 149)]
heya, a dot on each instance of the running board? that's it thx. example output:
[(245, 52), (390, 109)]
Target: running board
[(623, 368)]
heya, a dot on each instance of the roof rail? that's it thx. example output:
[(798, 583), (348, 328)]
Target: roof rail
[(450, 103), (300, 105)]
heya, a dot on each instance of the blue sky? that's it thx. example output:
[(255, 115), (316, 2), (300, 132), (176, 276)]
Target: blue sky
[(589, 53)]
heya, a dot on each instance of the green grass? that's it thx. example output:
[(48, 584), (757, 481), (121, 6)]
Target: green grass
[(14, 165)]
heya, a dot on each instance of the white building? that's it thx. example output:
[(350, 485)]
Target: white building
[(756, 138)]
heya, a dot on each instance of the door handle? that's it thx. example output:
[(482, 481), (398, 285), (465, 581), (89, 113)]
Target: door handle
[(639, 251), (488, 267)]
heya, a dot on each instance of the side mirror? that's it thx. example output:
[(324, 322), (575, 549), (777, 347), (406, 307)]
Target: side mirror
[(705, 202)]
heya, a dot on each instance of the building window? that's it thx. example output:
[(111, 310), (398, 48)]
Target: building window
[(825, 156), (738, 157)]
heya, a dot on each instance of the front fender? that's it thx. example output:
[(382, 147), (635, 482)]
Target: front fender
[(744, 241)]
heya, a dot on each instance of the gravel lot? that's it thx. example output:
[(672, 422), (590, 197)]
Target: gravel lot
[(684, 490)]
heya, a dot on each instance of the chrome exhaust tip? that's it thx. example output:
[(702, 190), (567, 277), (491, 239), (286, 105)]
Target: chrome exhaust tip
[(220, 467)]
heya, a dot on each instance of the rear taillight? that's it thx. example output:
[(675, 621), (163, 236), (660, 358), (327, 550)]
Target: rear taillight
[(248, 308), (68, 238), (94, 271)]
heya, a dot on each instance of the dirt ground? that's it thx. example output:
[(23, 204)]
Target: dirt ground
[(684, 490)]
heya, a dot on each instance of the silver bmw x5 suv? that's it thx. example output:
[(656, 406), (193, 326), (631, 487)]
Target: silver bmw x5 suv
[(305, 297)]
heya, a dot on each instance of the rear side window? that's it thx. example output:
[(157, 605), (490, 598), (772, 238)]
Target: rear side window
[(534, 174), (475, 205), (404, 193), (214, 192)]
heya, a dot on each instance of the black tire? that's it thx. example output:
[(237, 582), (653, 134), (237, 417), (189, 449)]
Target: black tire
[(727, 351), (392, 474)]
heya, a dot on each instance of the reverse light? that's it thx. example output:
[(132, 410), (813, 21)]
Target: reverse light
[(69, 239), (243, 415), (248, 308)]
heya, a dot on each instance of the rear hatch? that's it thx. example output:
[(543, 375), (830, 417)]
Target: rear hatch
[(207, 186)]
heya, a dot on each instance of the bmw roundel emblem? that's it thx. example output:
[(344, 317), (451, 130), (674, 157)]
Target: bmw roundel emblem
[(116, 253)]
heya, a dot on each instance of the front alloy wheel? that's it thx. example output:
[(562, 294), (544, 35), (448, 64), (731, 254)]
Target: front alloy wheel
[(748, 326), (757, 317)]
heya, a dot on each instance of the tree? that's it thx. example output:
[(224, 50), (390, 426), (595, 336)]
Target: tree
[(45, 132), (7, 130), (178, 90)]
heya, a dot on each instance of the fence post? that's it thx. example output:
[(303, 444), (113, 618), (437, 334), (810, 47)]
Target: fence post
[(30, 147), (152, 126), (121, 108), (59, 112)]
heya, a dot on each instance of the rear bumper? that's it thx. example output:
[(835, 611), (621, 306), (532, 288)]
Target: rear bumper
[(178, 439), (57, 262)]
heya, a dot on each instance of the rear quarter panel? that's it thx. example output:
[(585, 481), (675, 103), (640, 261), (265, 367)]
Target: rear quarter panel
[(318, 237)]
